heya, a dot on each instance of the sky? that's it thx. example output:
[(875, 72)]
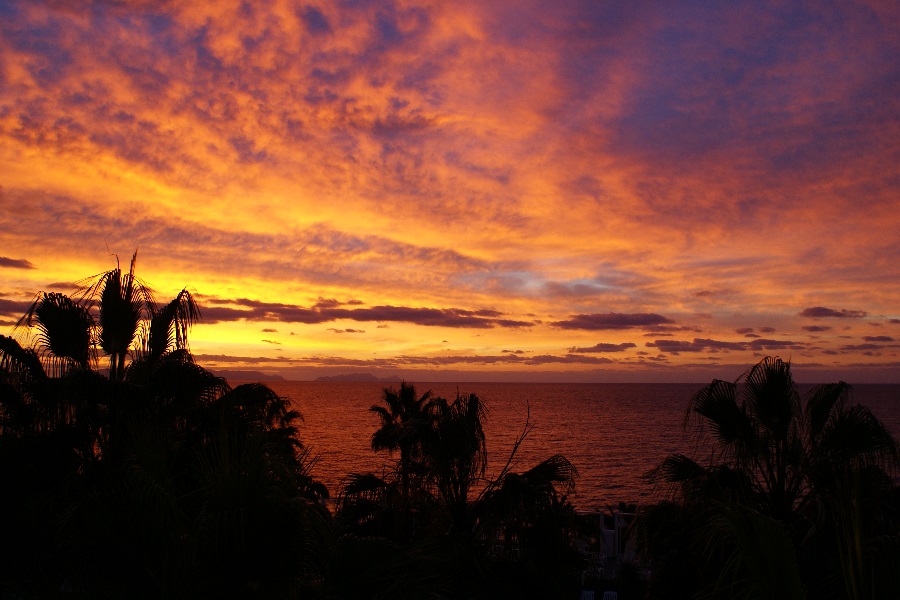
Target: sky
[(577, 191)]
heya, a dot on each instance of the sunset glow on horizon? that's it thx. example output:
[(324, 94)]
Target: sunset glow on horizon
[(576, 191)]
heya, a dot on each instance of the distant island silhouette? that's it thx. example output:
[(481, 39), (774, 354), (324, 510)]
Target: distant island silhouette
[(355, 377)]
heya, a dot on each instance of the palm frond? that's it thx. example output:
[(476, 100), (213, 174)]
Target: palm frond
[(856, 436), (65, 330), (556, 469), (771, 397), (717, 408), (823, 401), (260, 405), (19, 362), (169, 325), (677, 468)]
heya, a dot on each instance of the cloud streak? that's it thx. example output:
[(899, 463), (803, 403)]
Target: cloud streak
[(613, 321), (819, 312), (324, 312), (15, 263)]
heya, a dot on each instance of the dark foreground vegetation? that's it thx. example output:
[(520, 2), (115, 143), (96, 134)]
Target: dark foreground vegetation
[(129, 471)]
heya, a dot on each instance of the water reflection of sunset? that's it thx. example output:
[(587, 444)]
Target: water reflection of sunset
[(520, 191)]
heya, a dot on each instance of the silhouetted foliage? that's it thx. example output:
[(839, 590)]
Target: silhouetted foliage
[(794, 498), (491, 536), (158, 480)]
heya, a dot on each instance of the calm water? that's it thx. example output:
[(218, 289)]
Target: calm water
[(612, 433)]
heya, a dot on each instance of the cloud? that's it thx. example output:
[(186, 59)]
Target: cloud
[(324, 312), (291, 150), (316, 22), (604, 348), (861, 347), (604, 321), (822, 312), (269, 330), (15, 263), (709, 345), (878, 338), (816, 328), (13, 308), (411, 361)]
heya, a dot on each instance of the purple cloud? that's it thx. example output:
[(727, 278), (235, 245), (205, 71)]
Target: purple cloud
[(822, 312), (325, 311), (13, 308), (816, 328), (878, 338), (601, 321), (604, 348), (861, 347), (15, 263), (708, 345)]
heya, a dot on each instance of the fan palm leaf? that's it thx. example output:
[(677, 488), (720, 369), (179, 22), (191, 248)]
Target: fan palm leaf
[(123, 301), (65, 331), (170, 324)]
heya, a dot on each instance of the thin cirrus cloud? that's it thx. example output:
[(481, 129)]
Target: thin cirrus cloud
[(582, 169)]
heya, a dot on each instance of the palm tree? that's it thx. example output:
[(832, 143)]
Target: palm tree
[(124, 301), (68, 333), (776, 462), (455, 454), (460, 515), (404, 422), (152, 478)]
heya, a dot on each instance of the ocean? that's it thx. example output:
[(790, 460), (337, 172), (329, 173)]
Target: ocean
[(613, 433)]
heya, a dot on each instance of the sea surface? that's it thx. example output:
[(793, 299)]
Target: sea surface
[(613, 433)]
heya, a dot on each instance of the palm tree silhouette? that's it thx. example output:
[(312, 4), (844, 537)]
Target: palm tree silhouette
[(405, 420), (68, 333), (455, 454), (158, 480), (781, 466), (446, 511)]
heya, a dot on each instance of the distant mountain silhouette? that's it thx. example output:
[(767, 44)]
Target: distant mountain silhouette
[(359, 377)]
